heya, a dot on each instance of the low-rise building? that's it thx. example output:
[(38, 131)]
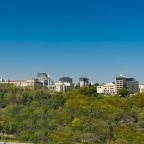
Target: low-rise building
[(27, 83), (109, 89), (100, 89), (23, 83), (59, 87)]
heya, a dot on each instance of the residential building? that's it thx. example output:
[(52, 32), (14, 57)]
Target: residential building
[(108, 89), (23, 83), (100, 89), (59, 87), (120, 82)]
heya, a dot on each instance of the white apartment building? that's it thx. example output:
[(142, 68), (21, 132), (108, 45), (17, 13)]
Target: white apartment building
[(59, 87), (109, 89), (100, 89)]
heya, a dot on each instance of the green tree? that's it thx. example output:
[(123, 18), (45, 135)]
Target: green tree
[(123, 92)]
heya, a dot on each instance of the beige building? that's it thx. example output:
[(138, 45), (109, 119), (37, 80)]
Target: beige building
[(109, 89), (23, 83)]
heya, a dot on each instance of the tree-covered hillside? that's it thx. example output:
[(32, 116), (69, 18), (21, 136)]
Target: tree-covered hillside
[(80, 116)]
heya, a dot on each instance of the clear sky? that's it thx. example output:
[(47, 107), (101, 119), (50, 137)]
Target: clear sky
[(95, 38)]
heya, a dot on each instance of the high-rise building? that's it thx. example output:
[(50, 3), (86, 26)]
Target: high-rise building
[(120, 82), (132, 85), (64, 84), (83, 81), (128, 83), (45, 79)]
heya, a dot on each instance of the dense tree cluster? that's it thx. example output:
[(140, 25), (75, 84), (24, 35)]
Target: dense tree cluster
[(80, 116)]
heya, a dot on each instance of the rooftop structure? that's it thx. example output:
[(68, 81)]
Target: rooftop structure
[(66, 79)]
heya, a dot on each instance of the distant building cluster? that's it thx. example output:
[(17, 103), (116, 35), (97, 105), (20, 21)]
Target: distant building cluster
[(66, 83), (43, 80), (121, 82)]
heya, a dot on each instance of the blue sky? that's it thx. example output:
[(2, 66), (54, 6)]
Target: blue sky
[(94, 38)]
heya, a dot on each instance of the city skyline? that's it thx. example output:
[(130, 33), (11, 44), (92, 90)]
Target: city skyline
[(94, 39)]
